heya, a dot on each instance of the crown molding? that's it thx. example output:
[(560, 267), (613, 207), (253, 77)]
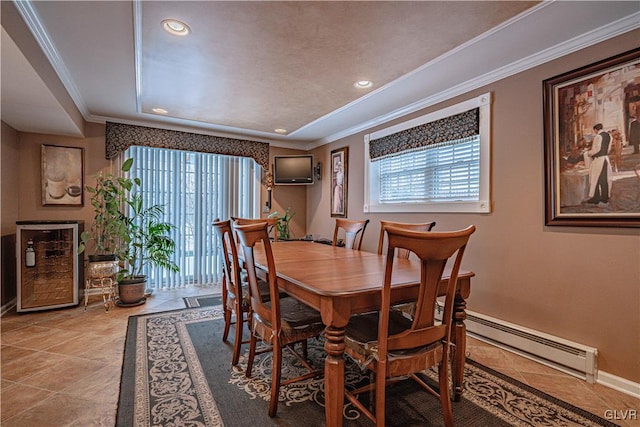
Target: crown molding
[(32, 20)]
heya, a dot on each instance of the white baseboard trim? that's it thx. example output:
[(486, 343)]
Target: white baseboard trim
[(618, 383), (8, 306)]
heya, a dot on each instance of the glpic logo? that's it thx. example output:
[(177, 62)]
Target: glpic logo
[(621, 414)]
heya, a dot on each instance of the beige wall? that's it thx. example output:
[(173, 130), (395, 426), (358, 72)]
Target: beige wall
[(9, 179), (10, 189), (579, 283), (288, 196), (29, 199)]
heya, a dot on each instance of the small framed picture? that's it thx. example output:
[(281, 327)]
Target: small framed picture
[(592, 144), (339, 168), (62, 176)]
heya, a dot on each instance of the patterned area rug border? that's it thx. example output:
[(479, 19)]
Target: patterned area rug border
[(164, 381), (208, 300)]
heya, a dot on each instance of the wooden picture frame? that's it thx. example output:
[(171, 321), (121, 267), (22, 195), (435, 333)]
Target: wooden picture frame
[(339, 178), (62, 175), (588, 184)]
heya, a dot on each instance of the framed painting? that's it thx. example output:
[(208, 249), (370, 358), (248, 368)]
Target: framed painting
[(339, 175), (592, 144), (62, 176)]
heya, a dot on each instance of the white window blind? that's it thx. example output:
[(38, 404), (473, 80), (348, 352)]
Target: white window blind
[(423, 166), (438, 173), (195, 189)]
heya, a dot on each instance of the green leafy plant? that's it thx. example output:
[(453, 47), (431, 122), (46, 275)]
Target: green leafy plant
[(283, 223), (147, 241), (107, 199), (138, 239)]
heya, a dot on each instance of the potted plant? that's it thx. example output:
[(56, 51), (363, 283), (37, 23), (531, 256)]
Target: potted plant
[(147, 241), (107, 198), (144, 239), (283, 224), (135, 240)]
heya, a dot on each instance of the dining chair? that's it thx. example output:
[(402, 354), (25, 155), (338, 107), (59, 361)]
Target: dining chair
[(235, 292), (353, 230), (280, 322), (394, 347), (400, 252), (409, 307), (272, 223)]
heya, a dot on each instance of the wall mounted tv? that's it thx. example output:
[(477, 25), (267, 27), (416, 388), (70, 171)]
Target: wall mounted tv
[(293, 170)]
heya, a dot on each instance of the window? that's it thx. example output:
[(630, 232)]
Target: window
[(195, 188), (435, 163)]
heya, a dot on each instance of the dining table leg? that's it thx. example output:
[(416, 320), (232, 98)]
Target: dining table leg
[(334, 375), (459, 338)]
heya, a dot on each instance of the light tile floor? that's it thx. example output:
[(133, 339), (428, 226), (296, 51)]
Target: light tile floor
[(62, 367)]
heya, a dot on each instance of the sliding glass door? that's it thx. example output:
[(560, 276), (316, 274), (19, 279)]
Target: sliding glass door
[(195, 188)]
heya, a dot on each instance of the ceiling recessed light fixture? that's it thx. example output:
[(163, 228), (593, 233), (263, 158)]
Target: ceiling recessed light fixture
[(175, 27), (363, 84), (159, 110), (280, 130)]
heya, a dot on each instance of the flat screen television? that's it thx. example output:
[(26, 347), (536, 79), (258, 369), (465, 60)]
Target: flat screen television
[(293, 170)]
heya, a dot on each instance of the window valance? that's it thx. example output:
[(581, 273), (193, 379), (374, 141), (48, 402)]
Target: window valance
[(451, 128), (120, 136)]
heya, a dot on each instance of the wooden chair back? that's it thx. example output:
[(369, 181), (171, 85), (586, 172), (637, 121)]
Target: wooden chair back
[(298, 323), (353, 230), (433, 249), (396, 347), (249, 235), (400, 252), (272, 224), (231, 279)]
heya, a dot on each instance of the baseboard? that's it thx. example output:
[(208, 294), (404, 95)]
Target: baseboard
[(623, 385), (571, 357), (606, 379), (8, 306)]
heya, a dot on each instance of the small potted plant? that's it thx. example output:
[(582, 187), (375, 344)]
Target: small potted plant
[(147, 242), (283, 224)]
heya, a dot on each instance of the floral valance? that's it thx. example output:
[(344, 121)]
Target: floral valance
[(450, 128), (119, 137)]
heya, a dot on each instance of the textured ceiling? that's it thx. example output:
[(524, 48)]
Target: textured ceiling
[(262, 66)]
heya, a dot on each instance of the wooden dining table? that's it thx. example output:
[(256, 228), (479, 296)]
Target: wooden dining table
[(340, 282)]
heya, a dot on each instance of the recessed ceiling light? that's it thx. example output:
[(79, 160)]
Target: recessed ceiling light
[(159, 110), (363, 84), (280, 130), (175, 27)]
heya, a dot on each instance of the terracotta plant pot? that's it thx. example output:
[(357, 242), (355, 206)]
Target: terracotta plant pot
[(131, 291)]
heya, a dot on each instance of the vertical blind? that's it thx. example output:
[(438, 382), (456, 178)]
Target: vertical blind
[(195, 189)]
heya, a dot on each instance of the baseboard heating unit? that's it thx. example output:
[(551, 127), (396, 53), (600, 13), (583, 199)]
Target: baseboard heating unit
[(570, 357)]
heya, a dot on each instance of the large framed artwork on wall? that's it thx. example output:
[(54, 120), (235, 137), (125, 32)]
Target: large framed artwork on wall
[(62, 175), (592, 144), (339, 175)]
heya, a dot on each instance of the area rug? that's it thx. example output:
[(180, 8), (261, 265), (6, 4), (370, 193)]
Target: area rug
[(177, 371), (209, 300)]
